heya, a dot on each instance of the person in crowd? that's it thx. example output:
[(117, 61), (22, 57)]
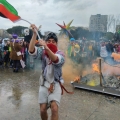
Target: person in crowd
[(6, 54), (90, 51), (1, 59), (70, 50), (77, 52), (15, 53), (11, 61), (118, 48), (109, 48), (115, 48), (96, 50), (103, 50), (1, 45), (24, 51)]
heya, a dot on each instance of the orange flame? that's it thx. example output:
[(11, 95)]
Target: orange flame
[(95, 67), (77, 79)]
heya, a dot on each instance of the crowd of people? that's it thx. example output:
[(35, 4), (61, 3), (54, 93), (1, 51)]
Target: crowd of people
[(13, 54), (87, 51), (78, 51)]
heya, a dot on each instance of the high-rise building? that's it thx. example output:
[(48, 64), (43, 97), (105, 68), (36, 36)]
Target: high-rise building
[(98, 23)]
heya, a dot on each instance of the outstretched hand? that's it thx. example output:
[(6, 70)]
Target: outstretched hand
[(41, 42), (34, 28)]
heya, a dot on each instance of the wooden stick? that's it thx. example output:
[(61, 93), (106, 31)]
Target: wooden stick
[(35, 31), (100, 72)]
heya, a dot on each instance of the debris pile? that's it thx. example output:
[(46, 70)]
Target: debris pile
[(108, 81)]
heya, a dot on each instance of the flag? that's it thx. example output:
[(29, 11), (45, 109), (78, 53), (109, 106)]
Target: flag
[(8, 11)]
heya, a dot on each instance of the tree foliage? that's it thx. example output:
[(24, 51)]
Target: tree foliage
[(81, 32), (16, 30), (109, 35)]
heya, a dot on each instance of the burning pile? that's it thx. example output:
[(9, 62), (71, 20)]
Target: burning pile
[(76, 79), (93, 79)]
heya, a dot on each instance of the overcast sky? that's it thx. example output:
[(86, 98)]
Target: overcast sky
[(49, 12)]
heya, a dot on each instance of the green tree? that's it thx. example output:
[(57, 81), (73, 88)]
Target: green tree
[(16, 30), (80, 32), (109, 35)]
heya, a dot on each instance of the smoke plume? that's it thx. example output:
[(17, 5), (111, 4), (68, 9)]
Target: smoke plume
[(71, 69)]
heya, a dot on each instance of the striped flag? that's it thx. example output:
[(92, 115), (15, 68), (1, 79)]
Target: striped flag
[(8, 11)]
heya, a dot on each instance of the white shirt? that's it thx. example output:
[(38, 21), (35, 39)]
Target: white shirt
[(103, 51)]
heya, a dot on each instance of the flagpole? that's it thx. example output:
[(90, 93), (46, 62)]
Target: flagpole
[(35, 30), (30, 24)]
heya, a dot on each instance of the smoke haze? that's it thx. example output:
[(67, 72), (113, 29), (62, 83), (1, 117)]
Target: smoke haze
[(71, 69)]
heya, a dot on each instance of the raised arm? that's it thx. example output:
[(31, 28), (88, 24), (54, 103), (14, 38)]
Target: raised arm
[(52, 56), (32, 42)]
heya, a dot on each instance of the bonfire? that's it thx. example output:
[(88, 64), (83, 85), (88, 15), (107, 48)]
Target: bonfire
[(93, 79)]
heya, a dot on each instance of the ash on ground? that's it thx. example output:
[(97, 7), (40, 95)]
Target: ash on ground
[(112, 82), (107, 81)]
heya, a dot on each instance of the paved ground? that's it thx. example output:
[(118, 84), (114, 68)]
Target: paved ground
[(19, 94)]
